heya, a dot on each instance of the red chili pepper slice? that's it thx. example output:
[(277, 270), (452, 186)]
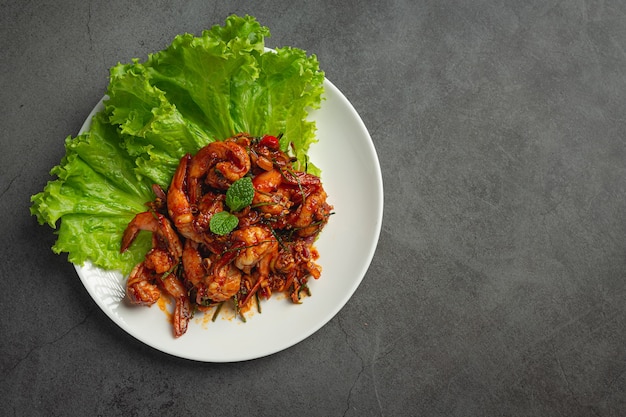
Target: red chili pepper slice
[(270, 141)]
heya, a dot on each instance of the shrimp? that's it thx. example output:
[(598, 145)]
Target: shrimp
[(224, 283), (196, 267), (215, 278), (221, 163), (160, 261), (182, 308), (163, 235), (311, 216), (257, 248), (144, 286), (255, 242), (158, 268), (178, 205), (141, 286), (269, 196), (258, 279)]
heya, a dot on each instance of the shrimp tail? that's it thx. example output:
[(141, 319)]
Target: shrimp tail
[(127, 238), (182, 315), (142, 221)]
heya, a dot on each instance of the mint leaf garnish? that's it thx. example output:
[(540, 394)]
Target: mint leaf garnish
[(223, 222), (240, 194)]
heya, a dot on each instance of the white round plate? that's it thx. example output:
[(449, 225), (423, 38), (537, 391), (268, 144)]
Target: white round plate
[(352, 178)]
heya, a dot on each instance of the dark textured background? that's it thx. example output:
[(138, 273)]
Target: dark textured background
[(498, 285)]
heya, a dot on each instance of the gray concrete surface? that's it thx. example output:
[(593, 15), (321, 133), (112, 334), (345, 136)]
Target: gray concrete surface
[(499, 281)]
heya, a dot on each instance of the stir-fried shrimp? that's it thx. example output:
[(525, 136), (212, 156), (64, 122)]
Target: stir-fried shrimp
[(220, 163), (269, 250), (256, 242), (214, 280), (178, 205), (196, 267), (141, 286), (162, 232), (311, 215), (160, 261), (182, 308), (224, 283), (158, 270), (269, 196)]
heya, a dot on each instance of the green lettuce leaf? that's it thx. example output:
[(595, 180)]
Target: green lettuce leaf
[(197, 90), (153, 131), (96, 194), (97, 238)]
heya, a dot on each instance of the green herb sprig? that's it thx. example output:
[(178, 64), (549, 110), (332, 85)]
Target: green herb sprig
[(238, 196)]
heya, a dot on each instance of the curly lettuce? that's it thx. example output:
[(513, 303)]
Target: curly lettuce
[(198, 90)]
